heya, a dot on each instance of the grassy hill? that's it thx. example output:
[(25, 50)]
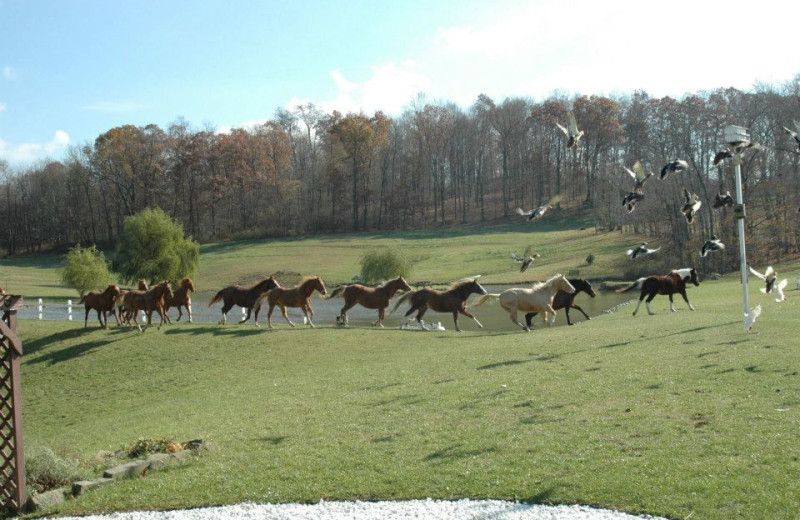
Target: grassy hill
[(680, 415)]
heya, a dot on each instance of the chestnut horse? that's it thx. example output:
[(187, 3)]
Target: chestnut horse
[(564, 300), (243, 297), (452, 300), (538, 298), (148, 301), (181, 298), (371, 298), (298, 296), (124, 313), (674, 282), (101, 301)]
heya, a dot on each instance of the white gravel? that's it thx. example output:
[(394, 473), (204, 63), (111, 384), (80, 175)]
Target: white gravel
[(400, 510)]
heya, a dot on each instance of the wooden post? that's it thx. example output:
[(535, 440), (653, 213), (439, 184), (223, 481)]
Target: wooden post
[(13, 493)]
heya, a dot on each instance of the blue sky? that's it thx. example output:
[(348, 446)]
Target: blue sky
[(70, 70)]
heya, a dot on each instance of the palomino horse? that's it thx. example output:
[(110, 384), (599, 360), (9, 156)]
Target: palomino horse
[(371, 298), (452, 300), (538, 298), (243, 297), (101, 301), (181, 298), (148, 301), (298, 296), (564, 300), (674, 282)]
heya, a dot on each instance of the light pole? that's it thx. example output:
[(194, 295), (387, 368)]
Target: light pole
[(737, 137)]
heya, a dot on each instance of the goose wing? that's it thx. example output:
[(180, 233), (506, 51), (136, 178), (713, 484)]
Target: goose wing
[(524, 213), (528, 251), (560, 127), (573, 125)]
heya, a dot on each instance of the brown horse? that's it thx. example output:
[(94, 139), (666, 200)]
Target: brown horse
[(674, 282), (299, 296), (245, 297), (371, 298), (101, 301), (181, 298), (124, 313), (149, 301), (452, 300), (564, 300)]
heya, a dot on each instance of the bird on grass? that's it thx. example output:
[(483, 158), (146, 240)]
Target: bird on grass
[(690, 206), (712, 245), (723, 200), (526, 259), (750, 316), (572, 132), (794, 133), (641, 251), (769, 276), (675, 166)]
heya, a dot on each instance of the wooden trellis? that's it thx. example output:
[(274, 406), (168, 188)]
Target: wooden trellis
[(12, 461)]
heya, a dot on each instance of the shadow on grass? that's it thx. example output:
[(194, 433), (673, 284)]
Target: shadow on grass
[(504, 364), (273, 440), (68, 353), (29, 347), (456, 452), (216, 331)]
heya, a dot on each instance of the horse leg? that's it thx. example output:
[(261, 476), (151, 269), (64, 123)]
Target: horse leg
[(381, 314), (247, 316), (136, 320), (580, 309), (285, 314), (269, 315), (189, 310), (550, 310), (258, 309), (307, 310), (512, 313), (225, 309), (466, 313), (343, 313), (86, 318), (641, 297), (647, 304), (420, 314), (671, 304), (455, 320), (683, 293), (180, 313), (529, 318)]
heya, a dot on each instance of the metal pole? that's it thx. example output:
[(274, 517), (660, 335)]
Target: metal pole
[(740, 214)]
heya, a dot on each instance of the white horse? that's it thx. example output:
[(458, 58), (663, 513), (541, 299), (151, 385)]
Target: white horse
[(538, 298)]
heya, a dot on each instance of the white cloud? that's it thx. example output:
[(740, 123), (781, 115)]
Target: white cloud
[(113, 106), (3, 106), (9, 74), (247, 125), (30, 152)]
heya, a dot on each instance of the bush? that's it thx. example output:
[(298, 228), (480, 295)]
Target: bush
[(147, 446), (86, 269), (153, 246), (383, 265), (44, 470), (590, 259)]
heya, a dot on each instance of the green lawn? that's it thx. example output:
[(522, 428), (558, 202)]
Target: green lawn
[(679, 415)]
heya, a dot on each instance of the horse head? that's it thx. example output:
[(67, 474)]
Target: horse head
[(693, 277), (473, 287), (562, 284), (166, 290), (319, 285), (113, 291), (583, 285), (188, 283), (399, 284)]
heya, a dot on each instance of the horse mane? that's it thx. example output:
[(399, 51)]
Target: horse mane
[(186, 280), (683, 273), (459, 284), (305, 280), (539, 285), (261, 282)]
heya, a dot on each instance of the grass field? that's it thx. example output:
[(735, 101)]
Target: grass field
[(679, 415)]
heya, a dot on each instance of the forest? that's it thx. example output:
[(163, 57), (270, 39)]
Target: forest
[(304, 171)]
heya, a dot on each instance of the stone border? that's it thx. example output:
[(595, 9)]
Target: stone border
[(131, 469)]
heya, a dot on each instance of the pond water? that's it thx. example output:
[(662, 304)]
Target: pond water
[(491, 315)]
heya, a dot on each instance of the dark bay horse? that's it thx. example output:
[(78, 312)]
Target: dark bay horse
[(452, 300), (299, 296), (565, 300), (103, 302), (148, 301), (182, 298), (244, 297), (371, 298), (674, 282)]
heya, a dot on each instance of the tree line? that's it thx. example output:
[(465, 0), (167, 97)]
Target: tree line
[(305, 171)]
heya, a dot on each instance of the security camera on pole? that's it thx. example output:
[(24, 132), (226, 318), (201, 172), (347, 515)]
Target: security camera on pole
[(738, 138)]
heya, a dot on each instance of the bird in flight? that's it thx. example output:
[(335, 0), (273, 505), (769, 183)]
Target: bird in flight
[(572, 132), (722, 200), (641, 251), (794, 133), (526, 259), (690, 206), (712, 245), (675, 166)]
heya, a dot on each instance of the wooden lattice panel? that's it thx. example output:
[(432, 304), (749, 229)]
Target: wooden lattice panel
[(12, 461)]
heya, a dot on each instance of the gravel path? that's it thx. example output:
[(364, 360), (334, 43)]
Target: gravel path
[(405, 510)]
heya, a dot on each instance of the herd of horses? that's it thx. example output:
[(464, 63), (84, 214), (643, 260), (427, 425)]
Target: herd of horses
[(543, 298)]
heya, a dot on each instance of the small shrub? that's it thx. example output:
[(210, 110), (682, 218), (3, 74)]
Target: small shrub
[(590, 259), (44, 470), (383, 265), (144, 447), (86, 269)]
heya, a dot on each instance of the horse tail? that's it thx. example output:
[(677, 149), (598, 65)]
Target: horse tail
[(336, 292), (486, 298), (216, 298), (635, 285), (403, 298), (83, 299)]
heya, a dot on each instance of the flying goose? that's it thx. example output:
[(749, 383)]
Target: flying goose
[(676, 166), (641, 251), (731, 150), (572, 133), (712, 246), (794, 133), (639, 175), (526, 259), (631, 198), (534, 214), (690, 206), (722, 200)]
